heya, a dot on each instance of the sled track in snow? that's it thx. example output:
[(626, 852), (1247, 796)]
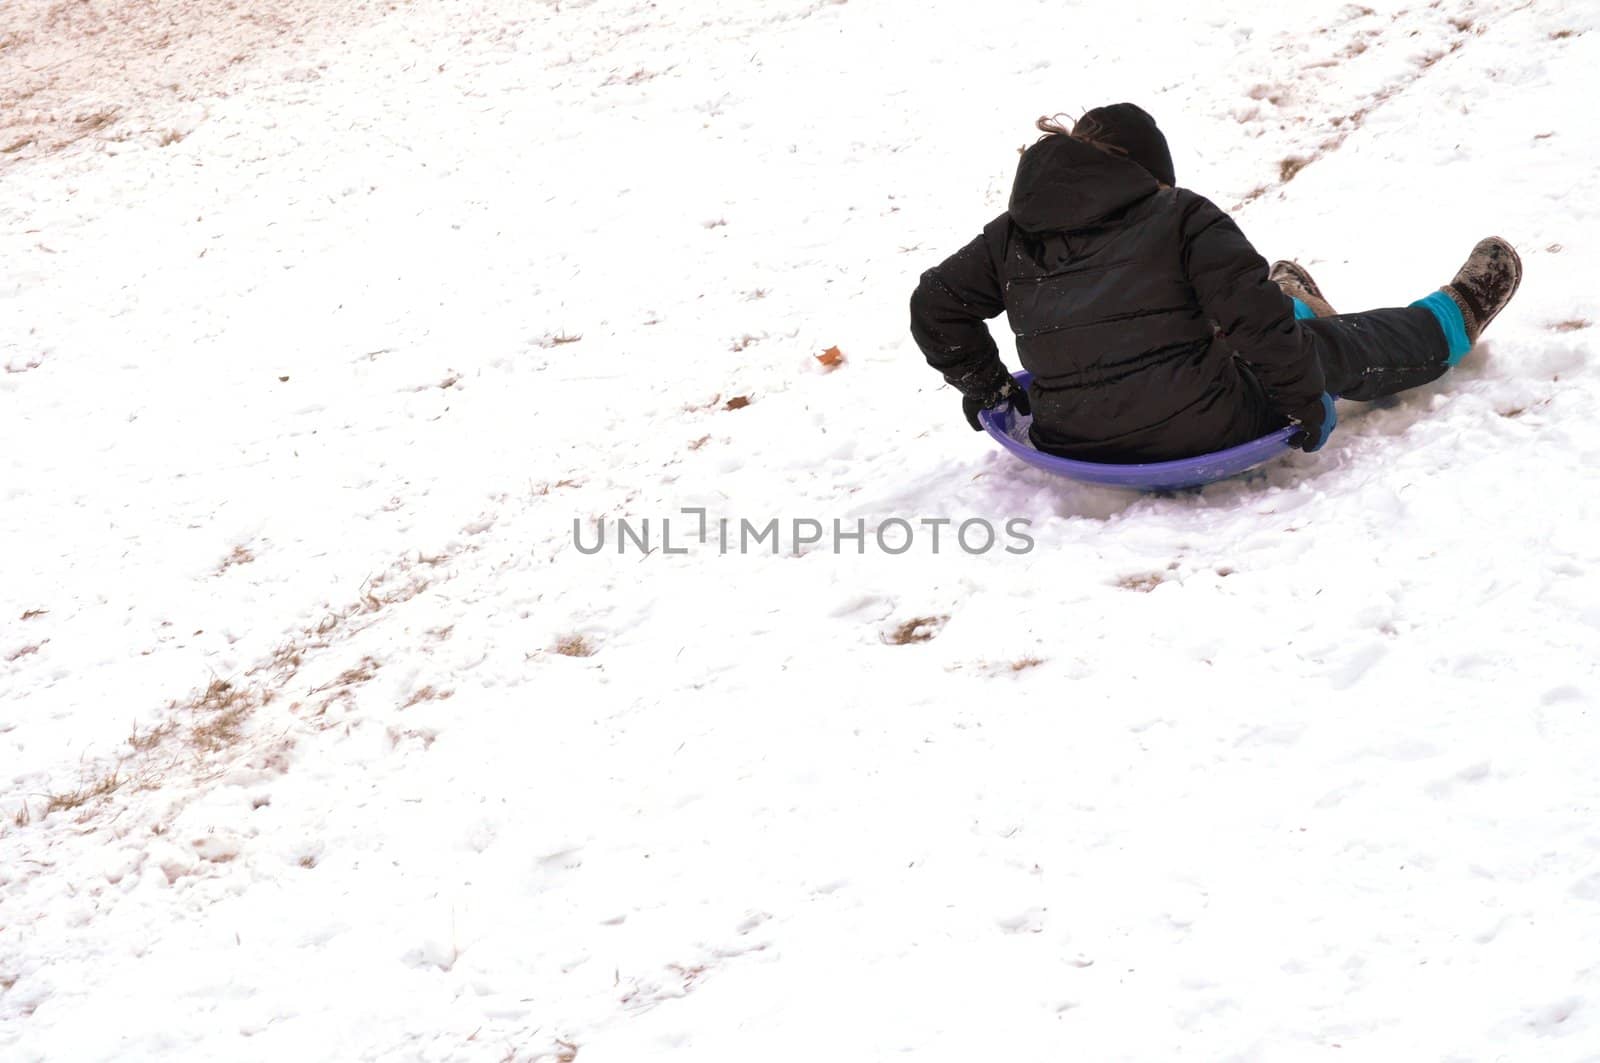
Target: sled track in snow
[(1331, 134)]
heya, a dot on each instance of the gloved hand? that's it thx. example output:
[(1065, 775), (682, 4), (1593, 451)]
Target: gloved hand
[(994, 393), (1315, 423)]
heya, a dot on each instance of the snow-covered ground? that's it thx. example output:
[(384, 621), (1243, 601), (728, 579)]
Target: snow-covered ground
[(321, 739)]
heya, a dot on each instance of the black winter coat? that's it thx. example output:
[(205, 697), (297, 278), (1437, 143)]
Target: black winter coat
[(1112, 284)]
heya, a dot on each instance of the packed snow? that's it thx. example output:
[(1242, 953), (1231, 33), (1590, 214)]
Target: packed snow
[(334, 337)]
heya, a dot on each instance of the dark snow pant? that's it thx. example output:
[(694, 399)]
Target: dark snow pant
[(1376, 353)]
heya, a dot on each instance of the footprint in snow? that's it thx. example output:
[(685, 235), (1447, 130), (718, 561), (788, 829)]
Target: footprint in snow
[(1029, 921)]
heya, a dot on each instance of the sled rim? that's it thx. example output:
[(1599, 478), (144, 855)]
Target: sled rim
[(1003, 424)]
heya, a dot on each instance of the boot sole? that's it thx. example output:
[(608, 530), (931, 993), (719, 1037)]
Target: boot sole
[(1516, 283)]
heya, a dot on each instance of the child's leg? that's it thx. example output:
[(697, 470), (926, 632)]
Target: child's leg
[(1370, 355), (1367, 356)]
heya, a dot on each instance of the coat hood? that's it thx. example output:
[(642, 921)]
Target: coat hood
[(1130, 128), (1064, 184)]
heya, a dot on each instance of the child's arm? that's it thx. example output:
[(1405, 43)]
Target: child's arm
[(1257, 320), (948, 311)]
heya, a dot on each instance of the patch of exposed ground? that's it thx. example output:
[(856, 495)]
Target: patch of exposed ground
[(116, 70)]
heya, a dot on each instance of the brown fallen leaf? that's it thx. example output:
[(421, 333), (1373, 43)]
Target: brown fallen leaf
[(831, 359), (738, 402)]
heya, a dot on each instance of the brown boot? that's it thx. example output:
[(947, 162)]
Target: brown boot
[(1485, 284), (1297, 284)]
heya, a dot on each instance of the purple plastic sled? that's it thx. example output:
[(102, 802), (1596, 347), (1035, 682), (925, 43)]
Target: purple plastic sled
[(1010, 430)]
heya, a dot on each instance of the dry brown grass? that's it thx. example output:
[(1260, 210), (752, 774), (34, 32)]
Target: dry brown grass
[(29, 614), (917, 629), (139, 769), (220, 731), (545, 489), (689, 974), (1513, 412), (427, 693), (1022, 664), (26, 651), (285, 660), (575, 646), (1570, 325), (103, 786), (1291, 166), (240, 555), (342, 687), (30, 364), (1144, 583), (360, 673), (400, 584), (213, 721), (1255, 193), (219, 714), (144, 741), (88, 123)]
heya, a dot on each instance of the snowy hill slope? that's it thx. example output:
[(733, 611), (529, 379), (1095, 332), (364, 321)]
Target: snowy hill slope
[(320, 737)]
